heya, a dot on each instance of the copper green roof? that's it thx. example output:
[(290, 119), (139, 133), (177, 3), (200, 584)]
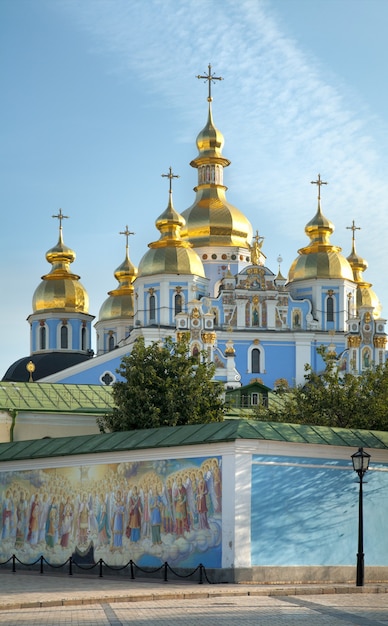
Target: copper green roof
[(55, 398), (219, 432)]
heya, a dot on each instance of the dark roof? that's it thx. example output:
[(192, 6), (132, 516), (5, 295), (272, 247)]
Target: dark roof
[(45, 365), (217, 432)]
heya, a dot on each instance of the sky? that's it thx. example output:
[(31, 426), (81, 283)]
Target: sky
[(100, 97)]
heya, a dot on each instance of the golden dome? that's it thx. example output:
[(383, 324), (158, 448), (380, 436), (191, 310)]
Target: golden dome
[(320, 259), (120, 303), (212, 220), (170, 254), (365, 296), (60, 290)]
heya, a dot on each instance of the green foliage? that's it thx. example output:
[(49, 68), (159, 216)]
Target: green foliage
[(333, 398), (163, 386)]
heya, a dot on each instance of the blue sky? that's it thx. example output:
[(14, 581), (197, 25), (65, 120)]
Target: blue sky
[(99, 98)]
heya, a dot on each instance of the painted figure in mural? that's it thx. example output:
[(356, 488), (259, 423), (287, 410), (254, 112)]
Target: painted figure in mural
[(180, 500), (33, 522), (42, 518), (135, 512), (202, 492), (217, 482), (103, 522), (117, 523), (67, 523), (21, 524), (145, 525), (7, 515), (83, 520), (155, 503), (166, 508), (366, 358), (52, 524), (93, 505), (191, 504)]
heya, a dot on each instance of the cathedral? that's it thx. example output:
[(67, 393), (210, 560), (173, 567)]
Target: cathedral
[(205, 278)]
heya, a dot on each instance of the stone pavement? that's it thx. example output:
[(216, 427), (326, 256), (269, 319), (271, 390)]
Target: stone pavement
[(28, 598)]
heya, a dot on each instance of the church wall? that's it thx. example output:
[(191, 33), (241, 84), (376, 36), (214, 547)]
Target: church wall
[(290, 510)]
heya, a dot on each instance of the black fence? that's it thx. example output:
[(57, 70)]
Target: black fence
[(131, 566)]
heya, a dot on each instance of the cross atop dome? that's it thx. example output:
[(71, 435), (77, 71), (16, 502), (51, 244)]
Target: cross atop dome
[(211, 78)]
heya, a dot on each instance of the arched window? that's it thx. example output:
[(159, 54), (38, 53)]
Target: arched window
[(83, 338), (178, 303), (330, 309), (42, 337), (111, 342), (64, 336), (255, 361), (152, 308)]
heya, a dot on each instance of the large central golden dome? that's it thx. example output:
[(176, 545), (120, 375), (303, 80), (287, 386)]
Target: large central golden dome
[(60, 290), (212, 220)]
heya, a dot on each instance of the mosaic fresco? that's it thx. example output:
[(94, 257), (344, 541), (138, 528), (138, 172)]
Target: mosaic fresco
[(147, 511)]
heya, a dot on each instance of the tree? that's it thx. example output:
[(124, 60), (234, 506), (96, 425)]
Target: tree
[(163, 386), (333, 398)]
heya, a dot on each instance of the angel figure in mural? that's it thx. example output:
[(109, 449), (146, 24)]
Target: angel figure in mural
[(33, 522), (103, 536), (155, 503), (135, 512), (201, 502), (21, 525), (117, 523), (6, 515), (83, 520), (180, 501), (52, 524), (67, 523)]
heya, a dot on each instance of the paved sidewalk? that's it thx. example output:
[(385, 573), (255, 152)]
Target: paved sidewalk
[(23, 590)]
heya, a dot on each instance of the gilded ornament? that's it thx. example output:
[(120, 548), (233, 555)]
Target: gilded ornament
[(354, 341), (379, 342)]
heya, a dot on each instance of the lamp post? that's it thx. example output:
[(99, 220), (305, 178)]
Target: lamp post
[(360, 462)]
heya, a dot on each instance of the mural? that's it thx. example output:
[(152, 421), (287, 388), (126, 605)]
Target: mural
[(305, 512), (147, 511)]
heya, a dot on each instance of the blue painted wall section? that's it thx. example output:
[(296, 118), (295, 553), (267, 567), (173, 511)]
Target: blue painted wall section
[(305, 512)]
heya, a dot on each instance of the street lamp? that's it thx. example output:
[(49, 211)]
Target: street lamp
[(360, 462)]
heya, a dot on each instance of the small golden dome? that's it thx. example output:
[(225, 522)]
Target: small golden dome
[(60, 290), (170, 254), (212, 220), (120, 303), (365, 296), (320, 259)]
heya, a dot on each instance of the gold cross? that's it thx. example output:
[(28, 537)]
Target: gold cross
[(210, 78), (126, 232), (318, 182), (170, 175), (353, 227), (60, 217)]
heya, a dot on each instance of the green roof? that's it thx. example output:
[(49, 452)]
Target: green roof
[(55, 398), (218, 432)]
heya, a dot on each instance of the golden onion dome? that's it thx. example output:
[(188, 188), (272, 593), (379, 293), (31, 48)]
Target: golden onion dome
[(60, 290), (320, 259), (212, 220), (365, 296), (170, 254), (120, 303)]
